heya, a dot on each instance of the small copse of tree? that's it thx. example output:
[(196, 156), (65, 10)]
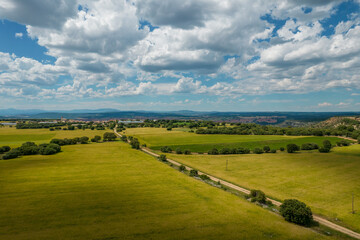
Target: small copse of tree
[(291, 148), (296, 212)]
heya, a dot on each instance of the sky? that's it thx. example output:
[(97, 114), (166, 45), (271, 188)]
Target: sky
[(160, 55)]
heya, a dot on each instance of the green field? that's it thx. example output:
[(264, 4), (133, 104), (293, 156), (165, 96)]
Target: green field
[(155, 138), (15, 137), (323, 181), (109, 191)]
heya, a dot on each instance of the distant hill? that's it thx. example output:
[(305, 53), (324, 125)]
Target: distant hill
[(263, 118), (353, 121)]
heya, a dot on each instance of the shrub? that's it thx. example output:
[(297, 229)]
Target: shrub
[(343, 143), (324, 150), (14, 153), (297, 212), (182, 168), (358, 139), (123, 138), (273, 151), (165, 149), (327, 144), (309, 146), (241, 150), (213, 151), (30, 150), (162, 157), (291, 148), (84, 140), (58, 141), (257, 196), (193, 173), (282, 149), (225, 151), (266, 149), (109, 136), (4, 149), (258, 151), (187, 152), (97, 138), (134, 143), (178, 151), (49, 149), (204, 177), (169, 128)]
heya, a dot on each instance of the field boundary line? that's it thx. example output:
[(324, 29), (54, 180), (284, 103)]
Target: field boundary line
[(317, 218)]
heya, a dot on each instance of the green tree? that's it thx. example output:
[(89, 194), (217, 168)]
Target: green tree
[(109, 136), (291, 148), (297, 212)]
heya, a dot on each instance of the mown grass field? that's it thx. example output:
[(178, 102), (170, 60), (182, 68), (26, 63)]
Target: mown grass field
[(109, 191), (15, 137), (326, 182), (155, 138)]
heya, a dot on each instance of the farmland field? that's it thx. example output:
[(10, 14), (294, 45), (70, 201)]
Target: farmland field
[(326, 182), (109, 191), (157, 137), (15, 137)]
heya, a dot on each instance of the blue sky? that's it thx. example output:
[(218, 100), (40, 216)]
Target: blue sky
[(248, 55)]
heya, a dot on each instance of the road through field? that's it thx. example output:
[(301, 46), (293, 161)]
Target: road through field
[(319, 219)]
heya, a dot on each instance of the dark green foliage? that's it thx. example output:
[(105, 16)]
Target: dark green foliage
[(169, 128), (204, 177), (225, 151), (4, 149), (49, 149), (178, 151), (258, 151), (291, 148), (343, 143), (266, 149), (273, 151), (193, 173), (257, 196), (134, 143), (213, 151), (182, 168), (166, 149), (297, 212), (123, 138), (97, 138), (327, 144), (282, 149), (84, 140), (29, 148), (109, 136), (324, 150), (187, 152), (162, 157), (241, 150), (13, 153), (309, 146), (358, 139)]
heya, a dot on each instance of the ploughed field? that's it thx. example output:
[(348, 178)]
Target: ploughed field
[(110, 191), (155, 138), (324, 181)]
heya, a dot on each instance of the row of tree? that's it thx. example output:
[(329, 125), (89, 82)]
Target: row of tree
[(30, 148)]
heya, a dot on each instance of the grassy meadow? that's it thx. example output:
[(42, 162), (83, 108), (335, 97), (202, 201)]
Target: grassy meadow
[(13, 137), (155, 138), (110, 191), (325, 181)]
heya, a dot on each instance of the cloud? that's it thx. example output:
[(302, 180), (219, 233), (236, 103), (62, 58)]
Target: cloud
[(324, 104), (19, 35)]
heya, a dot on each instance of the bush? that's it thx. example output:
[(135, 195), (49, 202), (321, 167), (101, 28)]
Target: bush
[(266, 149), (84, 140), (123, 138), (169, 128), (178, 151), (49, 149), (342, 143), (324, 150), (134, 143), (166, 149), (4, 149), (257, 196), (297, 212), (182, 168), (258, 151), (309, 146), (14, 153), (241, 150), (205, 177), (282, 149), (273, 151), (291, 148), (187, 152), (162, 157), (327, 144), (358, 139), (225, 151), (193, 173), (109, 136), (213, 151)]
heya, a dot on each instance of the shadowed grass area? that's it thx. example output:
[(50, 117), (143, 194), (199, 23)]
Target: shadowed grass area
[(323, 181), (177, 138), (109, 191)]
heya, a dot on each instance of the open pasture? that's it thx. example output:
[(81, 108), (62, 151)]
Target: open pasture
[(109, 191), (325, 181), (15, 137), (155, 138)]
